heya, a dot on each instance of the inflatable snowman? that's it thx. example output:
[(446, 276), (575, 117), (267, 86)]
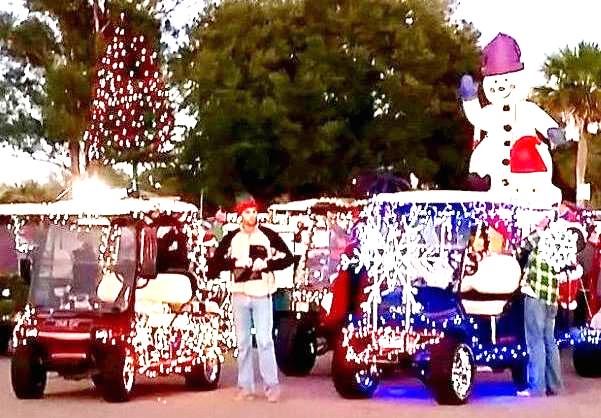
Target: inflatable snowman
[(511, 153)]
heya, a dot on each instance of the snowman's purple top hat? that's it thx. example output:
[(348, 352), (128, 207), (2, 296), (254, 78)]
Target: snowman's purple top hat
[(501, 56)]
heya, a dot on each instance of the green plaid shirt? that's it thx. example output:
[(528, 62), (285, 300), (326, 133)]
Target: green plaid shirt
[(538, 275)]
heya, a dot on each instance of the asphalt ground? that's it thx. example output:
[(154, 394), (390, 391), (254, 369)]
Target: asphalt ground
[(314, 395)]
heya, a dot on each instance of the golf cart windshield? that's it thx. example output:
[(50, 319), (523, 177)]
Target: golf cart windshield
[(68, 271)]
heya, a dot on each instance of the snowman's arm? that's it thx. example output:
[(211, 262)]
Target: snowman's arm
[(480, 117), (541, 120)]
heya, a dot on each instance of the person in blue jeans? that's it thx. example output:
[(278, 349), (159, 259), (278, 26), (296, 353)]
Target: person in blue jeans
[(253, 252), (540, 286)]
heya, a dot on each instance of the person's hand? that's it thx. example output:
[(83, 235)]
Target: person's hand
[(557, 136), (243, 263), (259, 265), (468, 89)]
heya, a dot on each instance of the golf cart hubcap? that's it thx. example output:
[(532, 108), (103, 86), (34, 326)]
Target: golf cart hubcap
[(364, 379), (211, 367), (462, 371), (128, 371)]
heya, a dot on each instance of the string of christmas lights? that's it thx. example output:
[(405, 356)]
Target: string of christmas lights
[(131, 111)]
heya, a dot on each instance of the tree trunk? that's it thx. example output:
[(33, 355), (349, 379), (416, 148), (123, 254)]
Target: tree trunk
[(74, 154), (135, 176), (581, 161)]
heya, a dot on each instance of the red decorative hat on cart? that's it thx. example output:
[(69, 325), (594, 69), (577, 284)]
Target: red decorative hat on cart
[(525, 158)]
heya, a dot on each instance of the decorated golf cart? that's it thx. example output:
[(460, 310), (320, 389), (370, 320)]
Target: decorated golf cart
[(317, 232), (115, 293), (431, 281)]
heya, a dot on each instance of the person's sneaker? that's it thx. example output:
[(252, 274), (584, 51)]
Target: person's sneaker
[(523, 393), (273, 394), (244, 395)]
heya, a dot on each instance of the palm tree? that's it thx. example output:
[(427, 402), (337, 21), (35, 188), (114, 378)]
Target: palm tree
[(573, 93)]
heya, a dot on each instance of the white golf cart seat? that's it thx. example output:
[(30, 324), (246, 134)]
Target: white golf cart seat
[(109, 287), (154, 298), (487, 291)]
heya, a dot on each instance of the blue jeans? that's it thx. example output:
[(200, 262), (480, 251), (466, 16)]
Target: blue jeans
[(544, 367), (257, 311)]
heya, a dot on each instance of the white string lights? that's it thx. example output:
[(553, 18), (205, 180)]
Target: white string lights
[(130, 108)]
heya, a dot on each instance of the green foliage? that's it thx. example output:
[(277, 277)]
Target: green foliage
[(576, 74), (299, 96), (53, 54), (574, 95)]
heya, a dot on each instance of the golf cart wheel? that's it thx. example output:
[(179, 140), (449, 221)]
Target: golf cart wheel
[(587, 361), (453, 370), (117, 374), (519, 375), (204, 376), (28, 373), (352, 380), (295, 347)]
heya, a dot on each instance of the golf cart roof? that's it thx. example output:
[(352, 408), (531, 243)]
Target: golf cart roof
[(463, 197), (107, 207), (320, 204)]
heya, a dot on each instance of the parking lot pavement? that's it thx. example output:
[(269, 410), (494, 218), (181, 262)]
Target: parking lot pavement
[(314, 395)]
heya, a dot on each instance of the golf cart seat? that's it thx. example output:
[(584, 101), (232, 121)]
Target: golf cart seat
[(109, 287), (488, 290), (164, 290)]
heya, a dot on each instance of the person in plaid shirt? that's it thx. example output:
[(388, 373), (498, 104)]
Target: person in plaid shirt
[(539, 280), (540, 286)]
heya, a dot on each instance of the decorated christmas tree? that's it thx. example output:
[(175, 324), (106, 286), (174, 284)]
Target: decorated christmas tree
[(131, 116)]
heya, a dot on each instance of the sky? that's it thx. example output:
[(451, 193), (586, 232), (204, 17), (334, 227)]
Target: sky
[(540, 27)]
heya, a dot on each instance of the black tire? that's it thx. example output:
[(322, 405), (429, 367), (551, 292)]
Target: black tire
[(587, 361), (204, 376), (352, 380), (519, 375), (97, 380), (117, 374), (5, 333), (28, 373), (295, 347), (452, 371)]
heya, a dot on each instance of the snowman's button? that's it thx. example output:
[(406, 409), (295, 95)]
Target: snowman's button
[(505, 182), (505, 161), (506, 108), (507, 128), (507, 143)]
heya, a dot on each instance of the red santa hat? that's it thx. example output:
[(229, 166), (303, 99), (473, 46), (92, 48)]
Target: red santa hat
[(525, 158)]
